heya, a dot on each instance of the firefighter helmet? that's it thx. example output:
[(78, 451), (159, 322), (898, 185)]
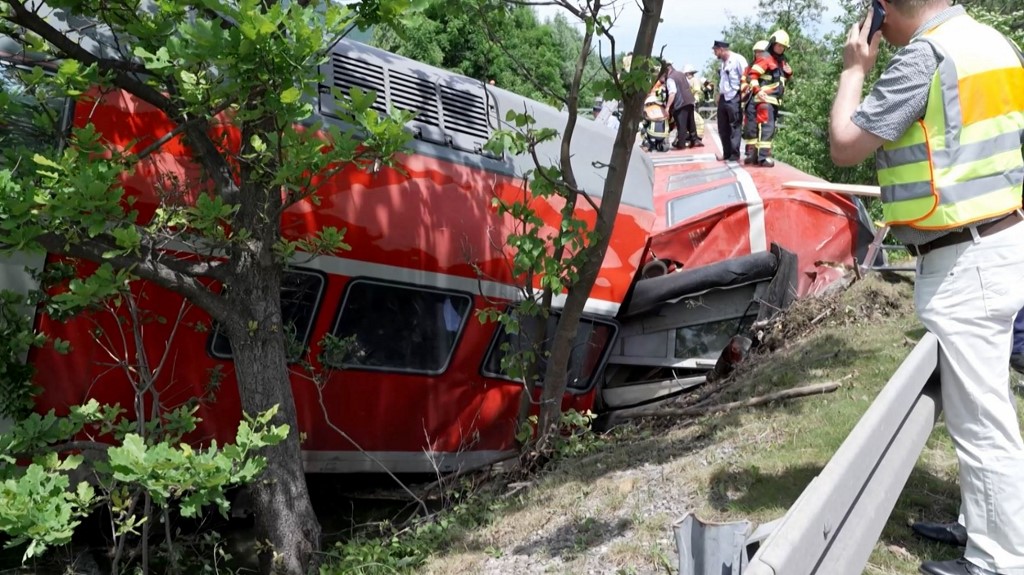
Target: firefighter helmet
[(781, 38), (761, 46)]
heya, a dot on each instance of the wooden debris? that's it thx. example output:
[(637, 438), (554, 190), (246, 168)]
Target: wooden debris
[(698, 410)]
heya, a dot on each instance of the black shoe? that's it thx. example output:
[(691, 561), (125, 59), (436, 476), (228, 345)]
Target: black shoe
[(951, 567), (948, 533), (1017, 362), (767, 163), (733, 158)]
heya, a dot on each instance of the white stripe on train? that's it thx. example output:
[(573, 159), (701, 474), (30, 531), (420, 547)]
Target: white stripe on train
[(486, 288)]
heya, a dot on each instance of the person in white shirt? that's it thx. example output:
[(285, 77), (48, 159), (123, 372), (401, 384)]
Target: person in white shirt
[(729, 118)]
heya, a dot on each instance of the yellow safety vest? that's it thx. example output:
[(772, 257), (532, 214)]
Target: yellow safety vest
[(962, 162)]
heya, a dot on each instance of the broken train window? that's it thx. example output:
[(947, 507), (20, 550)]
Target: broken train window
[(389, 327)]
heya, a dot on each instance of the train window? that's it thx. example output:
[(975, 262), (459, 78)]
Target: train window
[(688, 206), (32, 120), (698, 178), (707, 340), (399, 328), (589, 350), (300, 297)]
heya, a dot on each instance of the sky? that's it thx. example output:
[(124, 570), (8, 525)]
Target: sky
[(688, 29)]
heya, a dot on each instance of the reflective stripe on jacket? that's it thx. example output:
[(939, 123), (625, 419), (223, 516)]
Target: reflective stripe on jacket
[(773, 74), (960, 163)]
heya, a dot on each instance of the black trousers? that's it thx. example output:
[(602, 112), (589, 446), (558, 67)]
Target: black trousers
[(686, 124), (730, 127)]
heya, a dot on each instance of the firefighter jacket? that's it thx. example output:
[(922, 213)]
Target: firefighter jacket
[(961, 162), (767, 78), (695, 88), (745, 84)]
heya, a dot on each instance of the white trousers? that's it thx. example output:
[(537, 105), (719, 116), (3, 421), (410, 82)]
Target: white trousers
[(967, 295)]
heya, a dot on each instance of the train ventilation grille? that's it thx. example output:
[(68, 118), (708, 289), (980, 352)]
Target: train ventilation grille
[(449, 112)]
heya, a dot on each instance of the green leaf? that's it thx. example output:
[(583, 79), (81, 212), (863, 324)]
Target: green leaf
[(291, 95), (44, 161)]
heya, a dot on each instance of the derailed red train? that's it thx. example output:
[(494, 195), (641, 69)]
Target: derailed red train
[(423, 389)]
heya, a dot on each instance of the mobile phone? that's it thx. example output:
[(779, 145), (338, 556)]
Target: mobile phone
[(877, 18)]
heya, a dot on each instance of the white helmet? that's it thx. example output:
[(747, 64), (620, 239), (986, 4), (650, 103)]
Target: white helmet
[(689, 69)]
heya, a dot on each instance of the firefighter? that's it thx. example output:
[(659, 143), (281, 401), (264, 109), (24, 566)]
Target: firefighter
[(749, 108), (767, 80)]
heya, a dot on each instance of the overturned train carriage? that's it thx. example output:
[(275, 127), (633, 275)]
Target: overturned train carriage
[(421, 388), (731, 247)]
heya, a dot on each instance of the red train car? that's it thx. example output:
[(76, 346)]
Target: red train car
[(421, 388), (732, 245)]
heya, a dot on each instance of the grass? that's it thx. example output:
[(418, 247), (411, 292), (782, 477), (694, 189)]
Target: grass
[(612, 511)]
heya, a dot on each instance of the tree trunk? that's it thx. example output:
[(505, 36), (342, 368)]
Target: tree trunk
[(284, 514), (534, 330), (557, 374)]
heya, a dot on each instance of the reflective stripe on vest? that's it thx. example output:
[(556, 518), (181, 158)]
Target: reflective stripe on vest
[(946, 172)]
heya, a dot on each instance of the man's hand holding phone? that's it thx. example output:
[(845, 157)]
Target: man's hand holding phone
[(858, 54)]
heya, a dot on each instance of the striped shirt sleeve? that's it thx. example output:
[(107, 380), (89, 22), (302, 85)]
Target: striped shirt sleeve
[(900, 96)]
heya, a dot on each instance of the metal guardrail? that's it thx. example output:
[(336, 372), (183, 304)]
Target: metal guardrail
[(834, 525)]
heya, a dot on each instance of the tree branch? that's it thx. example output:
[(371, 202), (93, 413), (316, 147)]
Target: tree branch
[(84, 446), (181, 127), (25, 17), (206, 151), (177, 275)]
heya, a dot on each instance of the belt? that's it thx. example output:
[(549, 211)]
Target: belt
[(964, 235)]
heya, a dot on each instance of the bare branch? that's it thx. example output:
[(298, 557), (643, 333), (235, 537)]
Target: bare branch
[(167, 350), (181, 127), (347, 437), (573, 190)]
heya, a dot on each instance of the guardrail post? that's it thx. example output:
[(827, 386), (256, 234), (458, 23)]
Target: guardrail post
[(710, 548)]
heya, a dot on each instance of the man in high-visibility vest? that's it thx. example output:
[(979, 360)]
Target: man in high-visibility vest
[(946, 119)]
